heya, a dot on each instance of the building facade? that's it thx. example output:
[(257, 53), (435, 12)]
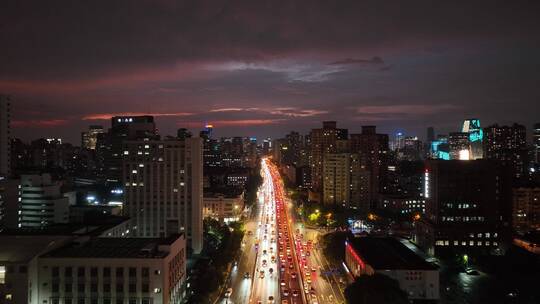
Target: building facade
[(89, 138), (41, 202), (526, 209), (163, 182), (468, 206), (388, 256), (507, 143), (336, 179), (111, 270), (223, 207)]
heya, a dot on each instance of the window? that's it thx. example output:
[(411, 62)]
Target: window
[(119, 301), (80, 288), (68, 301), (119, 272), (145, 287), (55, 272), (93, 272), (55, 287), (106, 287), (80, 301), (119, 287), (93, 287), (132, 272), (68, 287), (68, 272), (145, 301), (133, 301), (80, 272), (106, 300), (55, 301), (106, 272), (94, 301), (133, 288), (145, 272), (22, 269)]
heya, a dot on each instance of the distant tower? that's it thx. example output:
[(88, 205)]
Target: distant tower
[(430, 134), (5, 142)]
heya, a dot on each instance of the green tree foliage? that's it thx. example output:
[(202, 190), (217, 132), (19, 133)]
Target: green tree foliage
[(377, 288)]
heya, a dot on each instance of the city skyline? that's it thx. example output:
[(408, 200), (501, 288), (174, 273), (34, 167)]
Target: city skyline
[(263, 69)]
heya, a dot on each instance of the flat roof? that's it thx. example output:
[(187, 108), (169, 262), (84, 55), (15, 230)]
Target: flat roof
[(135, 248), (388, 253), (22, 248)]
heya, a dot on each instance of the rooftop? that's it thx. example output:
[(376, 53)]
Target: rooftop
[(388, 253), (22, 248), (135, 248)]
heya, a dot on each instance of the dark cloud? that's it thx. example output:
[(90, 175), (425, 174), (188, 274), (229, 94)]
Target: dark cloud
[(374, 60), (66, 60)]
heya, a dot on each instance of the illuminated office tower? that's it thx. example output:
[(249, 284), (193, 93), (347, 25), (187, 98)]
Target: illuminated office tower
[(459, 145), (89, 138), (5, 144), (163, 182), (476, 137)]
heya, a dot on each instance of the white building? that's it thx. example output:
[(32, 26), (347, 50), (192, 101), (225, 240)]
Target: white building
[(5, 143), (18, 265), (163, 182), (113, 270), (388, 256), (41, 202), (223, 207)]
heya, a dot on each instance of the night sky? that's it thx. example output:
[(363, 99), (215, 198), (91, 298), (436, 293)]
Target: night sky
[(263, 68)]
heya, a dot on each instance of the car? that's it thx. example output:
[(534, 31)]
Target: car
[(228, 293), (284, 302), (293, 275), (282, 269), (295, 293), (282, 283), (308, 280), (313, 269), (261, 274), (271, 300), (264, 263), (285, 292), (246, 275), (291, 266)]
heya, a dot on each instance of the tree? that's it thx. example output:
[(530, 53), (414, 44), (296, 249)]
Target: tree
[(376, 288)]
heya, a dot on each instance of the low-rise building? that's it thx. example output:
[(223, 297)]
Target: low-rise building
[(225, 206), (19, 269), (113, 270), (388, 256)]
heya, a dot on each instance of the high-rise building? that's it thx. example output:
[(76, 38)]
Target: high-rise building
[(526, 209), (468, 205), (373, 151), (507, 143), (89, 138), (360, 176), (163, 182), (430, 134), (323, 141), (458, 143), (109, 145), (536, 142), (336, 179), (183, 133), (399, 141), (476, 137), (5, 142), (41, 202)]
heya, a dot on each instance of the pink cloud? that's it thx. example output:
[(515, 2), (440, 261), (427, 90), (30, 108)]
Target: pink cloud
[(106, 116), (39, 123), (405, 109)]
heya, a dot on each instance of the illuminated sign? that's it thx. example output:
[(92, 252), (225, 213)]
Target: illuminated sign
[(464, 155), (443, 155), (472, 126)]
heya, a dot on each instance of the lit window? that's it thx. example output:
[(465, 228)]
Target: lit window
[(134, 171), (126, 152)]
